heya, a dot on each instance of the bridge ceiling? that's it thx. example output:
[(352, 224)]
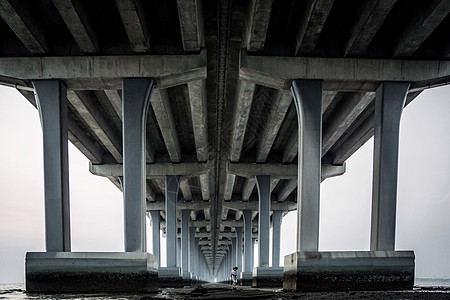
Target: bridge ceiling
[(220, 116)]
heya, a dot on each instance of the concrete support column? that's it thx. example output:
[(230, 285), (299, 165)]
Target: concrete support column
[(253, 253), (179, 252), (248, 254), (135, 102), (233, 252), (192, 251), (185, 240), (172, 185), (389, 102), (308, 102), (263, 185), (154, 214), (276, 237), (51, 99), (239, 248)]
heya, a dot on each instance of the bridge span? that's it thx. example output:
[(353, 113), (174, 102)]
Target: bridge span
[(215, 119)]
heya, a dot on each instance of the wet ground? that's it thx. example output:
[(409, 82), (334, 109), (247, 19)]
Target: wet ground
[(222, 291)]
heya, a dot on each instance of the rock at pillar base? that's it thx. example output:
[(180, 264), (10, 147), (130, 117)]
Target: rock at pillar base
[(267, 277), (349, 270), (246, 278), (170, 277), (58, 272)]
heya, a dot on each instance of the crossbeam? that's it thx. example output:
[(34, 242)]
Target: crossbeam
[(338, 73)]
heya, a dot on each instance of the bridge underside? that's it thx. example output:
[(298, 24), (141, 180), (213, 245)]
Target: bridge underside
[(221, 110)]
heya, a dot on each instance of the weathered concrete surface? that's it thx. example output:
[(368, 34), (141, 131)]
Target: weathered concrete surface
[(90, 272), (170, 277), (349, 270), (267, 277)]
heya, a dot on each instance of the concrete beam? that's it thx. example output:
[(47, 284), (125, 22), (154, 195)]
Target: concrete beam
[(190, 14), (85, 107), (247, 189), (185, 189), (191, 205), (157, 170), (163, 112), (253, 205), (24, 25), (135, 23), (76, 19), (420, 26), (369, 19), (249, 170), (83, 142), (287, 189), (278, 72), (116, 101), (106, 72), (257, 24), (327, 98), (345, 115), (313, 20), (281, 102)]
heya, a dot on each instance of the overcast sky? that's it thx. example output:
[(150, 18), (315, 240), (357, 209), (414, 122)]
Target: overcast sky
[(423, 210)]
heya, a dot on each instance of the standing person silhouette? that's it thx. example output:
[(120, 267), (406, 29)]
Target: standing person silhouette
[(234, 277)]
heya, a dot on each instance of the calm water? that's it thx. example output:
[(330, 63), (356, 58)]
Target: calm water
[(17, 291)]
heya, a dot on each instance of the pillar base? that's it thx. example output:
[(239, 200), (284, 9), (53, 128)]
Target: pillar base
[(77, 272), (170, 277), (349, 270), (267, 277), (246, 278)]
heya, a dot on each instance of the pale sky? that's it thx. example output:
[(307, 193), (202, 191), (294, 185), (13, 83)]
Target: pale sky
[(423, 208)]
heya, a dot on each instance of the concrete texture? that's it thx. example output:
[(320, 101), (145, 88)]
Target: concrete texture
[(268, 277), (170, 277), (90, 272), (349, 270)]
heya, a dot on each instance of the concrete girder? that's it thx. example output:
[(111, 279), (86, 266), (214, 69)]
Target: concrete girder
[(85, 107), (257, 24), (327, 98), (190, 14), (347, 74), (281, 102), (287, 189), (197, 100), (75, 17), (224, 213), (370, 17), (185, 189), (346, 114), (247, 189), (154, 171), (420, 26), (253, 205), (229, 184), (192, 205), (163, 112), (24, 25), (106, 72), (83, 142), (238, 215), (224, 223), (116, 101), (313, 20), (135, 23)]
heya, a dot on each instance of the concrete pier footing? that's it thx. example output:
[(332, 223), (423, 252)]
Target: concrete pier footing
[(268, 277), (170, 277), (349, 270), (246, 278), (58, 272)]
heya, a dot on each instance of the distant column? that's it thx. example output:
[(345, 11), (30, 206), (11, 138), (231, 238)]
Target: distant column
[(136, 94), (172, 185), (389, 102), (51, 99), (308, 102), (239, 248), (276, 217), (248, 252), (263, 185), (154, 214), (185, 240), (233, 252), (253, 253)]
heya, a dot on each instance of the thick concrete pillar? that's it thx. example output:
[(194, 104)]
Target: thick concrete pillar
[(308, 102), (185, 241), (389, 102), (154, 214), (51, 99), (233, 252), (192, 250), (135, 102), (248, 254), (179, 252), (239, 249), (263, 185), (172, 185), (276, 237), (253, 253)]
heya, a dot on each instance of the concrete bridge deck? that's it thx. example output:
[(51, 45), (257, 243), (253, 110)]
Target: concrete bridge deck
[(222, 112)]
